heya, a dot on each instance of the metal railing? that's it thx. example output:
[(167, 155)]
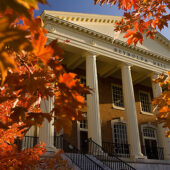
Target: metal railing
[(153, 152), (112, 161), (27, 142), (120, 150), (77, 157)]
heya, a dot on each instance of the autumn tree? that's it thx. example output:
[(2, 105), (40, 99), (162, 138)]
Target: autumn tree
[(162, 103), (141, 17), (31, 70)]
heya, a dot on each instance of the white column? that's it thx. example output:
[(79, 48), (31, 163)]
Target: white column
[(130, 110), (93, 111), (46, 132), (163, 140)]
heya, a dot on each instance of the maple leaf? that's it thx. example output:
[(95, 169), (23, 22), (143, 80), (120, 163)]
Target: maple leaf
[(6, 61), (142, 16), (31, 70), (41, 50)]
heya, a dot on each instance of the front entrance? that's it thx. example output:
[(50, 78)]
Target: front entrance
[(84, 141), (151, 148)]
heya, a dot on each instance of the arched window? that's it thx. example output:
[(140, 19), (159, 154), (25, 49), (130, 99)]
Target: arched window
[(150, 143)]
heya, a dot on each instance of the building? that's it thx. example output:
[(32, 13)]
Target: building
[(119, 112)]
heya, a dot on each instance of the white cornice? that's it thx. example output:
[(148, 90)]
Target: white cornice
[(96, 34), (82, 17)]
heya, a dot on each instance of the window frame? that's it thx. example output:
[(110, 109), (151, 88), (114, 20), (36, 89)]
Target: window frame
[(148, 125), (113, 104), (116, 121), (81, 129), (150, 101)]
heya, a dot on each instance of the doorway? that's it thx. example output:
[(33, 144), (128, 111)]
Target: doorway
[(151, 148), (84, 141)]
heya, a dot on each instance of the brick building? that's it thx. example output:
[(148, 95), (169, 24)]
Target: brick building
[(119, 111)]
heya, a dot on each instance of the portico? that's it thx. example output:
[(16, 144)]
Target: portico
[(119, 75)]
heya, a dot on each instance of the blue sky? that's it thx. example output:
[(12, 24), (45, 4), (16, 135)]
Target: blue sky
[(86, 6)]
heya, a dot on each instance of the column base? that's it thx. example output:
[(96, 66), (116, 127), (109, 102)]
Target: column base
[(167, 158), (51, 148), (138, 156)]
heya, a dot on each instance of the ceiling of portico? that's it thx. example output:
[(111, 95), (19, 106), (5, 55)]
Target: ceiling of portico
[(73, 58)]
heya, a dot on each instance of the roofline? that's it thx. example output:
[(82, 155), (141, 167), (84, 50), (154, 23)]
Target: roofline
[(79, 13), (103, 36)]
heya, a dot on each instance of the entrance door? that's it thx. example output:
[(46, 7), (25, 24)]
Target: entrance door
[(151, 148), (84, 141)]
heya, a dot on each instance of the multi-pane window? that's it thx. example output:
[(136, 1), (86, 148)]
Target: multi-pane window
[(145, 102), (149, 132), (117, 95), (83, 123), (121, 146), (120, 133)]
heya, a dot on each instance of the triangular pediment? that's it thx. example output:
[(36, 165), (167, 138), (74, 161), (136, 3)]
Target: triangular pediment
[(104, 24)]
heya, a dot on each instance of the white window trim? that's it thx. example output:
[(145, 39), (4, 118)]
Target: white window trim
[(114, 121), (118, 120), (113, 105), (143, 112), (78, 133), (149, 125)]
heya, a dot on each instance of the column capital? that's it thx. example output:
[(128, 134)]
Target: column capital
[(125, 64), (154, 75), (90, 54)]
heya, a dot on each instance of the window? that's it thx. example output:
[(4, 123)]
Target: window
[(119, 133), (83, 123), (149, 132), (150, 144), (145, 102), (83, 81), (117, 95)]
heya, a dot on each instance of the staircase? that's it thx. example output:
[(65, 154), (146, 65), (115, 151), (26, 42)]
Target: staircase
[(111, 161), (76, 156), (96, 159)]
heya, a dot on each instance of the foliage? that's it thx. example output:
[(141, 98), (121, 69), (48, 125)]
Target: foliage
[(144, 17), (31, 70), (140, 17), (162, 102)]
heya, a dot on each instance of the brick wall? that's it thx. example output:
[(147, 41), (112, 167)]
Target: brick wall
[(107, 112)]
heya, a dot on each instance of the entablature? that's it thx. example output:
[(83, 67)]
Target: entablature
[(90, 40)]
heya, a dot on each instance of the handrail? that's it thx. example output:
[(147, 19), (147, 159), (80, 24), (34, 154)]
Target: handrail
[(113, 162), (118, 149), (27, 142), (80, 159)]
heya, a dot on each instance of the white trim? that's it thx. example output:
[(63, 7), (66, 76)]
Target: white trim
[(95, 34), (107, 51), (150, 101), (149, 125), (121, 121), (78, 133), (114, 121)]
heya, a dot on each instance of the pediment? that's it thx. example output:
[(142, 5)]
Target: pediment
[(104, 24)]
